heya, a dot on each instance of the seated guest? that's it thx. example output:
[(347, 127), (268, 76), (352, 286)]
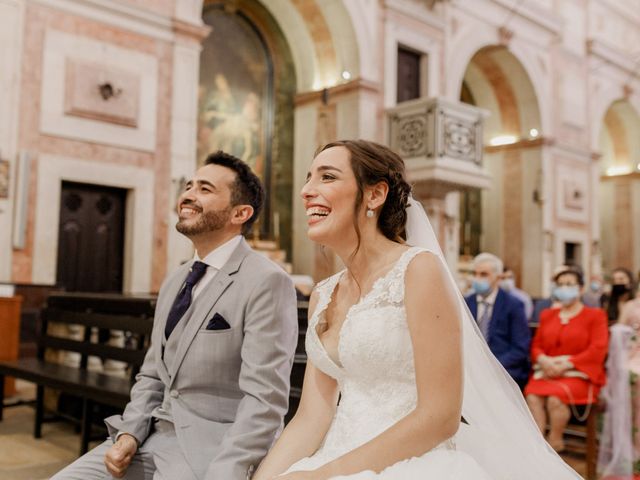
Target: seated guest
[(619, 453), (568, 353), (623, 289), (550, 302), (501, 318), (508, 284)]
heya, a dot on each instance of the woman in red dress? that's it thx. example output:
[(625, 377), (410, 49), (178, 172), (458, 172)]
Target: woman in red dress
[(568, 353)]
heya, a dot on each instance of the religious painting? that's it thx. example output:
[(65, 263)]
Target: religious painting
[(235, 91)]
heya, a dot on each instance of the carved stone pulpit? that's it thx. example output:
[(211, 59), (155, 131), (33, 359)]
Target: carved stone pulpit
[(441, 144)]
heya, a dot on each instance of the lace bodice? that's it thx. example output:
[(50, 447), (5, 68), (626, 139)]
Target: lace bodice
[(375, 374)]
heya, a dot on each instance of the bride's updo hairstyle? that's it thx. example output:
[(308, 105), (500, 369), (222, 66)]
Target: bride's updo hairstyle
[(373, 163)]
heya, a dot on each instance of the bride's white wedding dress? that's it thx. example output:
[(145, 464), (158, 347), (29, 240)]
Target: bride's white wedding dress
[(376, 376)]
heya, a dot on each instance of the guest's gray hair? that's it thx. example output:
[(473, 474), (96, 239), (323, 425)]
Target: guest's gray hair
[(498, 266)]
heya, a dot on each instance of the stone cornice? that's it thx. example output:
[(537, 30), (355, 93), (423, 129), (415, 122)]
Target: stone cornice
[(611, 55), (543, 18), (419, 12), (520, 145), (357, 84), (116, 14), (191, 31), (627, 176)]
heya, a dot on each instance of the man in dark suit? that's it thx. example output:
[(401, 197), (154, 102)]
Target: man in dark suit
[(501, 318)]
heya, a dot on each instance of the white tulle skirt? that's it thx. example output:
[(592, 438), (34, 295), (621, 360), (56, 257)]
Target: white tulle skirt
[(438, 464)]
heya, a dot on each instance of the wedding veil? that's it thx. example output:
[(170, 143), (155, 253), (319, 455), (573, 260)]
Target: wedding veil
[(501, 434)]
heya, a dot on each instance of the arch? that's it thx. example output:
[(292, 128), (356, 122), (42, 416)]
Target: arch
[(474, 38), (619, 139), (298, 20), (499, 82), (495, 80), (619, 145), (602, 102)]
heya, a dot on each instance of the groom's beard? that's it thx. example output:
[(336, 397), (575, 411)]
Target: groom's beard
[(207, 222)]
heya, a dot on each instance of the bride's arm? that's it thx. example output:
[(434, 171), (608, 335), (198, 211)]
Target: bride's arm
[(433, 316), (306, 430)]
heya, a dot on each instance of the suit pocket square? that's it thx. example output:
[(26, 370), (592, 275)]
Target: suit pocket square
[(218, 322)]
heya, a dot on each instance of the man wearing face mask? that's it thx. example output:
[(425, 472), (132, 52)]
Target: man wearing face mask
[(501, 317), (508, 284), (568, 353)]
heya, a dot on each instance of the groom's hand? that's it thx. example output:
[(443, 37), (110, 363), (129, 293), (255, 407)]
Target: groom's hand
[(119, 456)]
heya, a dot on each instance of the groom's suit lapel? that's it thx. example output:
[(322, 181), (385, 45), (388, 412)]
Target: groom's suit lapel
[(206, 300)]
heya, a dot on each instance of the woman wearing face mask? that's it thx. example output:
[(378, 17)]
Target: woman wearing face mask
[(568, 353), (622, 290)]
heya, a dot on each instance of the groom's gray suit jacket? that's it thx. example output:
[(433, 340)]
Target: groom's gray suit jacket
[(228, 389)]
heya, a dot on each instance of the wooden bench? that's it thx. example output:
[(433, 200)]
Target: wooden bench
[(300, 359), (91, 311)]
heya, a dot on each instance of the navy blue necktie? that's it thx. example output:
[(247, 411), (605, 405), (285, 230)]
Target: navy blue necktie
[(183, 299)]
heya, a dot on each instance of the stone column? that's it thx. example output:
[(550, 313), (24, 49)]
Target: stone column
[(11, 30), (189, 33), (344, 111)]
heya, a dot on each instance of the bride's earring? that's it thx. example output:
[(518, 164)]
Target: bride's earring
[(369, 213)]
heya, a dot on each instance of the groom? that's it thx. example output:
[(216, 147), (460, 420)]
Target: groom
[(214, 386)]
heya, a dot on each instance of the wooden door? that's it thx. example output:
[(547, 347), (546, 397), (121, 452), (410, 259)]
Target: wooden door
[(91, 238)]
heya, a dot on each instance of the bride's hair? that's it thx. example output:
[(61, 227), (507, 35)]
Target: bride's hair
[(372, 163)]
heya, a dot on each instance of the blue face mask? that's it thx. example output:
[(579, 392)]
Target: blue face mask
[(595, 286), (481, 286), (566, 294)]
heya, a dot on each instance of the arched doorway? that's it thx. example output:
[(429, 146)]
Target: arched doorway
[(506, 219), (619, 195), (245, 103)]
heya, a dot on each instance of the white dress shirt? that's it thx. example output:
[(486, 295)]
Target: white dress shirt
[(486, 302), (215, 261)]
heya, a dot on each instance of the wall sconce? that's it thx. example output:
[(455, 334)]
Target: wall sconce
[(107, 91)]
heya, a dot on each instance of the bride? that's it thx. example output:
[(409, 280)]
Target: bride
[(386, 382)]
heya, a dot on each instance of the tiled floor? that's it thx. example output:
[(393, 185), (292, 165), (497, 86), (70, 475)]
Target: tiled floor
[(22, 457)]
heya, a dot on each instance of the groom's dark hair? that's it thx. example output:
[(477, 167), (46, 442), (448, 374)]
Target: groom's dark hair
[(246, 189)]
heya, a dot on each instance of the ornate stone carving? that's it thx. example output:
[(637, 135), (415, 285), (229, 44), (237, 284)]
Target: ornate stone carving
[(460, 139), (441, 143), (412, 135)]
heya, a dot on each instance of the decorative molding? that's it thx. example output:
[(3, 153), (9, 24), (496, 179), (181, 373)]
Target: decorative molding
[(572, 198), (196, 33), (541, 17), (100, 92), (627, 176), (416, 11), (574, 152), (327, 94), (623, 10), (441, 143), (12, 18), (523, 144), (117, 14), (62, 50), (611, 55), (52, 171)]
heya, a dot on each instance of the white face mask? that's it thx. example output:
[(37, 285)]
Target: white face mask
[(508, 284)]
